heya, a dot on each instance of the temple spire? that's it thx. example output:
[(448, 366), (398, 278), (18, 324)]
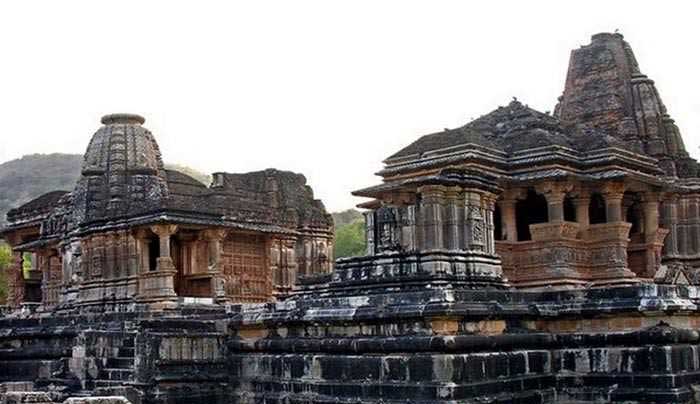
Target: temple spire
[(605, 89)]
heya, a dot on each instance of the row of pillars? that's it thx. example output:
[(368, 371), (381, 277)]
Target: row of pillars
[(555, 193), (160, 283)]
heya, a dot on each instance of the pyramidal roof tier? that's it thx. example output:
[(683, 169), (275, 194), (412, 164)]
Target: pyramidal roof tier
[(513, 128)]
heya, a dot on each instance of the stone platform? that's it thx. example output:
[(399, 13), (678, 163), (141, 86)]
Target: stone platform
[(634, 344)]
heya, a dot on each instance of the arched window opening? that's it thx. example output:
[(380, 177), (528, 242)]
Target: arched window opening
[(497, 224), (596, 209), (532, 210), (569, 209)]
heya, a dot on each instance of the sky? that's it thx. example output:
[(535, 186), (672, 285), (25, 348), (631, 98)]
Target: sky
[(325, 88)]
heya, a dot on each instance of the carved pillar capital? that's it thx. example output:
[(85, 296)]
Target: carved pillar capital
[(214, 234), (613, 190), (164, 230), (613, 193), (555, 192), (432, 193), (651, 197), (452, 192), (512, 195), (670, 197)]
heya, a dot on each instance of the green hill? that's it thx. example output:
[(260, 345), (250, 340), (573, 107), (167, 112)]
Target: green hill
[(24, 179), (349, 233)]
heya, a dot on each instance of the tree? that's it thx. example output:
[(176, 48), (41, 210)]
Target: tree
[(350, 240), (346, 217)]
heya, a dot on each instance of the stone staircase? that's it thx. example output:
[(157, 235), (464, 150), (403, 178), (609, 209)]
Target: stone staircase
[(118, 370)]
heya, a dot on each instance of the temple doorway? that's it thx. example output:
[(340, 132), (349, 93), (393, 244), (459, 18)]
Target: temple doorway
[(531, 210)]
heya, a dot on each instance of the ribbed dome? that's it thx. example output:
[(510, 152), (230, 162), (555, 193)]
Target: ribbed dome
[(122, 171), (122, 144)]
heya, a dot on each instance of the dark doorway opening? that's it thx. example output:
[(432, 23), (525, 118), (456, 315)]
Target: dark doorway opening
[(497, 224), (569, 209), (153, 253), (531, 210), (596, 209)]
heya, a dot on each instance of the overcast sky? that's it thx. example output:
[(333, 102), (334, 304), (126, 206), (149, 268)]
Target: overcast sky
[(325, 88)]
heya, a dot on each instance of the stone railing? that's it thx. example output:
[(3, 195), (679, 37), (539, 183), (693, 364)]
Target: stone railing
[(561, 254), (554, 231)]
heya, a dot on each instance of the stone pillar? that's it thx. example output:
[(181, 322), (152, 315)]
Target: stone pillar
[(452, 218), (164, 232), (15, 280), (289, 259), (133, 256), (141, 252), (670, 216), (653, 235), (214, 239), (509, 224), (40, 262), (432, 214), (158, 287), (409, 234), (369, 232), (582, 203), (650, 205), (489, 203), (613, 194), (554, 193)]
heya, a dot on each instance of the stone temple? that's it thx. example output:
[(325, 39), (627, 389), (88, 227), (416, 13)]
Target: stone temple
[(133, 233), (524, 257)]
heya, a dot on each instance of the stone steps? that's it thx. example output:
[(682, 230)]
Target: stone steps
[(118, 374), (106, 383), (120, 362), (118, 370)]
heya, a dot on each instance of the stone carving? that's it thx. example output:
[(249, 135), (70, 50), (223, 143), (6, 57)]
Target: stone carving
[(476, 223), (387, 231)]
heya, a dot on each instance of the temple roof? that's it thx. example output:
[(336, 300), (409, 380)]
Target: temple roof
[(268, 196), (37, 206), (510, 129), (122, 172)]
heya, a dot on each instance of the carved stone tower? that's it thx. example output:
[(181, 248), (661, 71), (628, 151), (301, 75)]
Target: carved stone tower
[(122, 172), (605, 89)]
